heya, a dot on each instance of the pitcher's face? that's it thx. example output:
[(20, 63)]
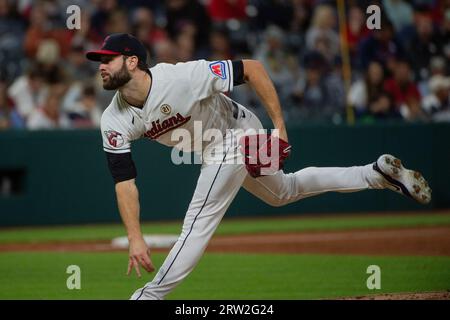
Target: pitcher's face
[(114, 72)]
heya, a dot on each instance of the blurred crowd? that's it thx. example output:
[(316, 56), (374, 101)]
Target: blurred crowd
[(399, 72)]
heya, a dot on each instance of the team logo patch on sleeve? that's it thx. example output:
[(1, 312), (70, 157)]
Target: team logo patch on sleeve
[(218, 69), (115, 138)]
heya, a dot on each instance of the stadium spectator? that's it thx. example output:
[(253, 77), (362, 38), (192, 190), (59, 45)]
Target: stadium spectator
[(424, 44), (279, 62), (9, 117), (145, 28), (322, 36), (404, 91), (101, 15), (437, 103), (50, 63), (49, 116), (165, 52), (117, 22), (335, 87), (301, 16), (85, 113), (220, 45), (381, 45), (41, 28), (185, 45), (12, 31), (77, 67), (438, 65), (312, 91), (188, 16), (367, 95), (445, 35), (37, 51), (28, 91), (399, 12), (356, 29)]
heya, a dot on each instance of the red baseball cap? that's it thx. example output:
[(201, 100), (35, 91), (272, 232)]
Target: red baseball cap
[(119, 44)]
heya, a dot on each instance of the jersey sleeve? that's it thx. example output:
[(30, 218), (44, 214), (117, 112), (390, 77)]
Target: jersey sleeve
[(210, 77), (114, 134)]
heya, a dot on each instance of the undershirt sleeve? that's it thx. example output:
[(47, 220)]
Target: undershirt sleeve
[(121, 166), (238, 72)]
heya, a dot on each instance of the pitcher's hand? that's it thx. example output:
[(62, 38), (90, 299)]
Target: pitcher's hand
[(139, 255)]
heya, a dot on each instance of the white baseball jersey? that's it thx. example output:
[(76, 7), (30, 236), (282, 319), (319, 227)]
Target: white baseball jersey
[(179, 95), (186, 92)]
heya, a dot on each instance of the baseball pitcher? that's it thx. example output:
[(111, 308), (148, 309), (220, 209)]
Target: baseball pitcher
[(156, 102)]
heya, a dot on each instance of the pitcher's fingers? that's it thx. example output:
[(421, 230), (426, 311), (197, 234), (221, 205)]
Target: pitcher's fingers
[(146, 263), (130, 265), (150, 261), (136, 267)]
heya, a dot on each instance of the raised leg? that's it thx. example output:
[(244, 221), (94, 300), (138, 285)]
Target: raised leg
[(283, 188)]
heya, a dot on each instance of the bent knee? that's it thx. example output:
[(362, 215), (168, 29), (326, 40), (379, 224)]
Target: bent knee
[(277, 202)]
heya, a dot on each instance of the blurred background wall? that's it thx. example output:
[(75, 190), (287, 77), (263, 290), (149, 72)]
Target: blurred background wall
[(348, 94), (61, 177)]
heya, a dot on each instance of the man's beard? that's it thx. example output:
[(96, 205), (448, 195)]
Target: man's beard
[(118, 79)]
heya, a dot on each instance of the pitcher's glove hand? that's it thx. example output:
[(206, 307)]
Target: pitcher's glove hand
[(264, 154)]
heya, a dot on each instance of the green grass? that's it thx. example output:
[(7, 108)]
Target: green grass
[(228, 226), (30, 275)]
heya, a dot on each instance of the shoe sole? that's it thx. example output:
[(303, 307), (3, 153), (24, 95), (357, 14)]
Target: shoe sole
[(407, 182)]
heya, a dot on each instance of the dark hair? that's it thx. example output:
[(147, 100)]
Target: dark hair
[(142, 65)]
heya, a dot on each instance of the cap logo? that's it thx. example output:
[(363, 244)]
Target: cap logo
[(104, 41)]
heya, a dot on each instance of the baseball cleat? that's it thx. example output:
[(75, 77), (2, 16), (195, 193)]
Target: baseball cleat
[(399, 179)]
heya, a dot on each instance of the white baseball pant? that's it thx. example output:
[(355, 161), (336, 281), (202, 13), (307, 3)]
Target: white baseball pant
[(216, 188)]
